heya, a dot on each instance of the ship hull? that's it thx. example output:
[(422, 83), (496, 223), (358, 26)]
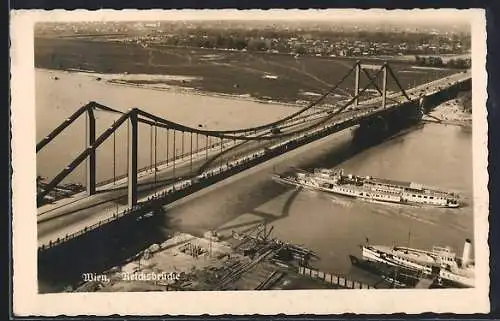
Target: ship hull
[(401, 274), (405, 276), (412, 268), (337, 190)]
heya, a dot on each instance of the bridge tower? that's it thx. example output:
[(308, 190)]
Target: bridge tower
[(384, 84), (91, 160), (357, 73), (132, 157)]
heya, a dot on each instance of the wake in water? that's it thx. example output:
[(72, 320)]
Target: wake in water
[(417, 213), (418, 218), (341, 201)]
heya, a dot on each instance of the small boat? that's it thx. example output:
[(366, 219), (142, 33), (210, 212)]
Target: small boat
[(370, 188)]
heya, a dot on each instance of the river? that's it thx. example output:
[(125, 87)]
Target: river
[(434, 155)]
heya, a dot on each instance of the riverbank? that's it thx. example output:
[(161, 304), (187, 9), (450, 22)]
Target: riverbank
[(270, 77), (451, 113), (176, 84)]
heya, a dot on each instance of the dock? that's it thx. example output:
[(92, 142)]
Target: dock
[(425, 283), (335, 280)]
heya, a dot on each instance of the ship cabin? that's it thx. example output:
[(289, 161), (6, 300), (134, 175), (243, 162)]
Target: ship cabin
[(452, 201), (414, 258), (430, 262), (385, 185), (349, 179), (417, 193), (444, 256), (324, 172), (328, 174)]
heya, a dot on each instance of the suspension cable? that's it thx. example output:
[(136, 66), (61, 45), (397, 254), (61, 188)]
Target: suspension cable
[(114, 155)]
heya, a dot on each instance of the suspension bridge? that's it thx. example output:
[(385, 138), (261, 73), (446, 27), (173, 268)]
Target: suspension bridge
[(207, 156)]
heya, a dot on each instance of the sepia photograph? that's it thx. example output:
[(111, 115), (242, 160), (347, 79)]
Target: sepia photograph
[(257, 152)]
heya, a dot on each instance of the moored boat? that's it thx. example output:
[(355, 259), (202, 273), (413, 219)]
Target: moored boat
[(440, 263), (370, 188)]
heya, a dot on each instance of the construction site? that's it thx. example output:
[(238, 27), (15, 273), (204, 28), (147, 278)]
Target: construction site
[(253, 260)]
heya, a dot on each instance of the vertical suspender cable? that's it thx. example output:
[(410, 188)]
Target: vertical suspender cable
[(175, 152), (114, 161), (156, 150), (191, 155), (86, 144), (221, 151), (167, 146), (114, 154), (197, 144), (182, 146), (128, 146), (151, 147), (206, 147)]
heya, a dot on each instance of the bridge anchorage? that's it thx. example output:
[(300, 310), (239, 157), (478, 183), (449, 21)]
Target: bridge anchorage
[(185, 159)]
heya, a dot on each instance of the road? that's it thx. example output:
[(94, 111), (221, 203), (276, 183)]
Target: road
[(77, 212)]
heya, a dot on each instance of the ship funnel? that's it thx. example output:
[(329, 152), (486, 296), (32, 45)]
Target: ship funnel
[(466, 253)]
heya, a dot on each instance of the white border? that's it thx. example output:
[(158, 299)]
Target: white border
[(28, 302)]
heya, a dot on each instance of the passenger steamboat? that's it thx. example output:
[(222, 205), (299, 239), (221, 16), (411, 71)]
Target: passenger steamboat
[(370, 188), (440, 263)]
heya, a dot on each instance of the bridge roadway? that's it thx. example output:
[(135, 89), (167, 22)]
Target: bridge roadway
[(71, 215)]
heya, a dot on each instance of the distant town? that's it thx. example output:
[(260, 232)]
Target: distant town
[(424, 46)]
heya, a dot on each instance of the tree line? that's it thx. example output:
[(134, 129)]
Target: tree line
[(435, 61), (465, 101)]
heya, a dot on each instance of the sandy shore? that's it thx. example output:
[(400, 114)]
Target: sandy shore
[(451, 112), (165, 83)]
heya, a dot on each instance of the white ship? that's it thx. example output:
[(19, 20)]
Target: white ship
[(440, 262), (371, 188)]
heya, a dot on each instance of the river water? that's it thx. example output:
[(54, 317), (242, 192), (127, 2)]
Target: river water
[(335, 226), (431, 154)]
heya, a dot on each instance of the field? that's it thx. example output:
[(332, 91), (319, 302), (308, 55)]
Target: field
[(276, 77)]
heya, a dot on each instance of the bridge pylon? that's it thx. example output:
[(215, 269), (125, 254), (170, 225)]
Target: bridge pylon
[(91, 160), (132, 157), (385, 69), (357, 73), (384, 84)]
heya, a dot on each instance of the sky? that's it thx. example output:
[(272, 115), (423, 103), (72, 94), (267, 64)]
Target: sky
[(419, 16)]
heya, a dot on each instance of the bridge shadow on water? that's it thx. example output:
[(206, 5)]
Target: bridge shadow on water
[(264, 217), (267, 190), (361, 141)]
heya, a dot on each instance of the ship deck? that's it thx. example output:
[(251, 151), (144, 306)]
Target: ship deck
[(389, 182), (408, 187)]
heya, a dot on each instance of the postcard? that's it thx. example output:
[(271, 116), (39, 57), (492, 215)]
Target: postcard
[(192, 162)]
